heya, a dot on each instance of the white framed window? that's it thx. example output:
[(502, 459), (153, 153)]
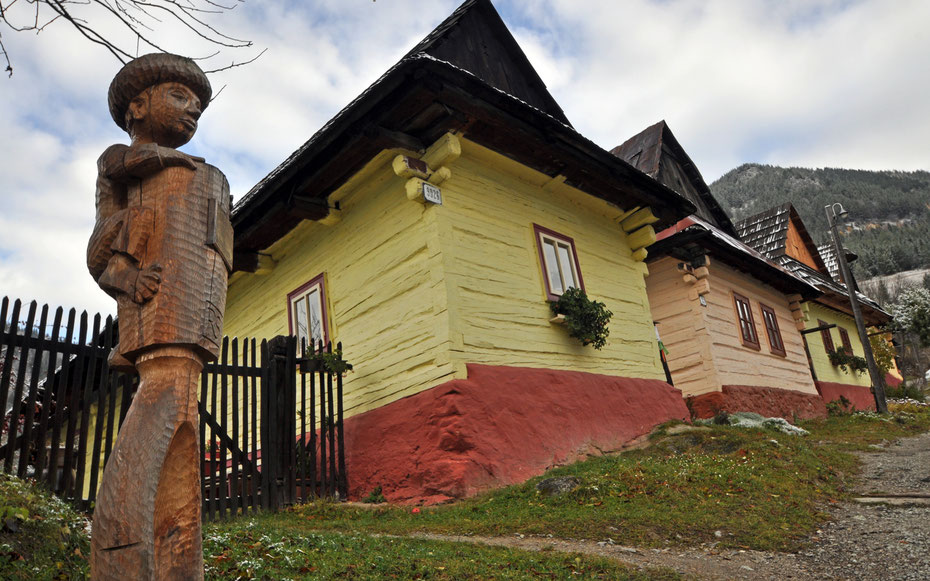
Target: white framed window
[(306, 313), (559, 262)]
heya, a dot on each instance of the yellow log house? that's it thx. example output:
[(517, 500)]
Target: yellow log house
[(426, 228)]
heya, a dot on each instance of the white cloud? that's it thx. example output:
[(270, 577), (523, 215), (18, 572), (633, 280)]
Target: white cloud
[(802, 82)]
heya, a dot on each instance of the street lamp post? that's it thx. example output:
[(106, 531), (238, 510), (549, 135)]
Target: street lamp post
[(878, 382)]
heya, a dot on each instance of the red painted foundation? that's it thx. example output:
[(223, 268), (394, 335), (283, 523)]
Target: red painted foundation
[(500, 426), (767, 401), (860, 398)]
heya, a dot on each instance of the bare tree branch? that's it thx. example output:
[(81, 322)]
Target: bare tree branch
[(234, 64), (141, 18)]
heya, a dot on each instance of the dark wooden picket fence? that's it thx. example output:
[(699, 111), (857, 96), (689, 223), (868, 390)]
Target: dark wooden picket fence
[(263, 447)]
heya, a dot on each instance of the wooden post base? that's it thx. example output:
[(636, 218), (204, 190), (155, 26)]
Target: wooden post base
[(147, 522)]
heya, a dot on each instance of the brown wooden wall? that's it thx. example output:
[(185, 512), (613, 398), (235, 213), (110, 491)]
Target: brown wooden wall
[(797, 249)]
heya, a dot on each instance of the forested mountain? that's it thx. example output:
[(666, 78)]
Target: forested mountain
[(889, 211)]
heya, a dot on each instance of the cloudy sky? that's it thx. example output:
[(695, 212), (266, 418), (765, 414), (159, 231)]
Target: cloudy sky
[(814, 83)]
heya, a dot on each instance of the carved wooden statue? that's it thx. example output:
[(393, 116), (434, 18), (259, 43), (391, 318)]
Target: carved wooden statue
[(162, 247)]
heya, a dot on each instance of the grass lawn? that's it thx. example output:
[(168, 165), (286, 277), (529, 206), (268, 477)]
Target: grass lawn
[(755, 489), (266, 548)]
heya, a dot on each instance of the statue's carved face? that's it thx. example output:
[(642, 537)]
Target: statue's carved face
[(165, 114)]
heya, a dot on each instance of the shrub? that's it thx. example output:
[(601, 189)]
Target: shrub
[(585, 319), (847, 361), (905, 391)]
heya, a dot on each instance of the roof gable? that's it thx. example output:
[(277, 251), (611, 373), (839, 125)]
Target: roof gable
[(778, 232), (474, 38), (656, 152)]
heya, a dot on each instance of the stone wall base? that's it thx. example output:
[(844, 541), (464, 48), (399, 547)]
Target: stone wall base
[(767, 401), (500, 426), (861, 398)]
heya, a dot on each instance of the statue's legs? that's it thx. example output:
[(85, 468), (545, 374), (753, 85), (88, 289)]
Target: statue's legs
[(147, 517)]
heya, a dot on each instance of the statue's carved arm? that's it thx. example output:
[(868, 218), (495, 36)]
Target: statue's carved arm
[(119, 239), (121, 162)]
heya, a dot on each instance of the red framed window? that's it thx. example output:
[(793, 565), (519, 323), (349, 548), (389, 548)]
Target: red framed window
[(559, 262), (776, 345), (747, 326), (844, 337), (306, 312), (826, 336)]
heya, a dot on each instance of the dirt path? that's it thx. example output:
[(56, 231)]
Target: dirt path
[(864, 541)]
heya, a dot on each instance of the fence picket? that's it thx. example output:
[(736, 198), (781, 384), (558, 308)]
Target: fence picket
[(90, 381), (343, 481), (256, 476), (102, 383), (47, 397), (206, 448), (73, 395), (6, 375), (29, 412), (60, 387)]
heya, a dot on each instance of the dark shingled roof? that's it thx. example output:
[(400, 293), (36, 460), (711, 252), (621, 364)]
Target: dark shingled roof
[(494, 57), (656, 152), (767, 232), (468, 77)]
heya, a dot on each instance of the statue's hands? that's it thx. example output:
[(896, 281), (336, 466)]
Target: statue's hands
[(147, 283), (174, 158), (123, 277), (140, 161)]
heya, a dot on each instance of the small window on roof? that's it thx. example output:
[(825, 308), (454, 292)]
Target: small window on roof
[(559, 262)]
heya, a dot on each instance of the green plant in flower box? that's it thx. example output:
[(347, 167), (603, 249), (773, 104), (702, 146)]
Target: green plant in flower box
[(847, 361), (325, 360), (585, 319)]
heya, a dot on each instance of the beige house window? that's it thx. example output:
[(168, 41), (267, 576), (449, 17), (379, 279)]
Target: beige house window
[(306, 312), (776, 345), (747, 326), (559, 262)]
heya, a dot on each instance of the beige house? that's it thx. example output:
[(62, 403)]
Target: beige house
[(729, 317)]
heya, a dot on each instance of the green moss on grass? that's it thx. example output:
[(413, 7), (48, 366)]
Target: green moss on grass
[(40, 536)]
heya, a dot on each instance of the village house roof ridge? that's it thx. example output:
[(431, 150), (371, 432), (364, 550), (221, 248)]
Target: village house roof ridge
[(430, 46), (732, 251), (371, 123), (645, 152)]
